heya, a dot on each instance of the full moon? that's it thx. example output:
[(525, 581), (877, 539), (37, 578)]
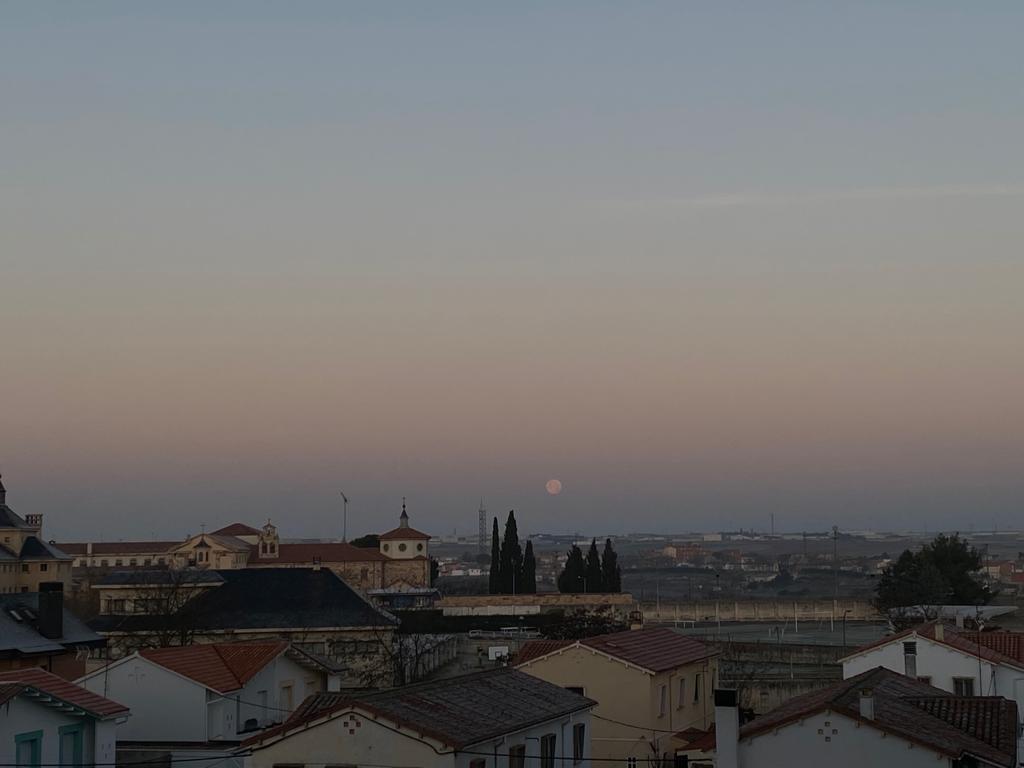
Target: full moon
[(554, 487)]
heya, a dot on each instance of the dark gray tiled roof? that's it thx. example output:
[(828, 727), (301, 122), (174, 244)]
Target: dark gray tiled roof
[(22, 637), (9, 519), (266, 598), (35, 548), (459, 711)]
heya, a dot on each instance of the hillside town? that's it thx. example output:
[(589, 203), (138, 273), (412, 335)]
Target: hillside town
[(750, 649)]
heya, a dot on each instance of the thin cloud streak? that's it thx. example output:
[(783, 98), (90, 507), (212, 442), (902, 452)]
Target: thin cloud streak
[(869, 194)]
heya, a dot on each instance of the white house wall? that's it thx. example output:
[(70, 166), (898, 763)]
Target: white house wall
[(939, 662), (24, 716), (151, 693), (852, 746)]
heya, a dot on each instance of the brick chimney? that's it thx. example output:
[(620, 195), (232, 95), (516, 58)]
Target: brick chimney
[(51, 610)]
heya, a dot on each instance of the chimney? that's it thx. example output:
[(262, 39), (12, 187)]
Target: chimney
[(940, 632), (867, 704), (910, 658), (727, 729), (51, 610)]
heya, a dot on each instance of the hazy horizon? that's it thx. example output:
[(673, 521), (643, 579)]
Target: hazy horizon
[(701, 263)]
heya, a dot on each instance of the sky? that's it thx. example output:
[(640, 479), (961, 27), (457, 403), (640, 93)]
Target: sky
[(702, 262)]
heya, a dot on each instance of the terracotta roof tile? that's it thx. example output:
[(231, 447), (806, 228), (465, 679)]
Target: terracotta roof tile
[(533, 649), (403, 533), (326, 552), (59, 688), (222, 667), (657, 649), (237, 529)]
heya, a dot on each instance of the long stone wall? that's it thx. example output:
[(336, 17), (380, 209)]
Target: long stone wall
[(704, 611)]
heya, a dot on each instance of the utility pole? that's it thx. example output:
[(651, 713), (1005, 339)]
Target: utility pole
[(835, 559), (482, 529), (773, 524), (344, 516)]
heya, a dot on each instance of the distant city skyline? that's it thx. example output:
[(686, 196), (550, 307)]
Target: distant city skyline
[(700, 263)]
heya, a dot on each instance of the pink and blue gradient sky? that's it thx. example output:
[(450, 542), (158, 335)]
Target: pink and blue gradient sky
[(702, 262)]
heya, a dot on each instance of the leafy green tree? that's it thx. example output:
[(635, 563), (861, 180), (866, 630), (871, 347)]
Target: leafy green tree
[(511, 557), (941, 573), (494, 583), (435, 570), (369, 541), (570, 580), (594, 577), (529, 570)]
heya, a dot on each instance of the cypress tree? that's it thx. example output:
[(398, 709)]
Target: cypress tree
[(511, 558), (570, 580), (494, 583), (529, 570), (594, 582), (610, 573)]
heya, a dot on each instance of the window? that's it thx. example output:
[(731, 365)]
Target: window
[(70, 745), (963, 686), (662, 700), (104, 563), (478, 763), (698, 683), (630, 762), (44, 567), (24, 567), (402, 547), (517, 756), (682, 693), (419, 547), (28, 749), (547, 750), (926, 679), (285, 701), (118, 561), (910, 648), (579, 742), (387, 547), (577, 689)]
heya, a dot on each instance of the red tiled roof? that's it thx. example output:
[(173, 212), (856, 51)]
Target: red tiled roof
[(404, 533), (325, 552), (237, 529), (698, 740), (119, 547), (222, 667), (533, 649), (1010, 644), (983, 726), (59, 688), (656, 649)]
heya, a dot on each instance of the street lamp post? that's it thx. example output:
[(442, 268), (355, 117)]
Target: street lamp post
[(844, 626)]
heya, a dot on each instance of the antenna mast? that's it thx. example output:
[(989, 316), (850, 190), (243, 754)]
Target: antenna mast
[(344, 516)]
